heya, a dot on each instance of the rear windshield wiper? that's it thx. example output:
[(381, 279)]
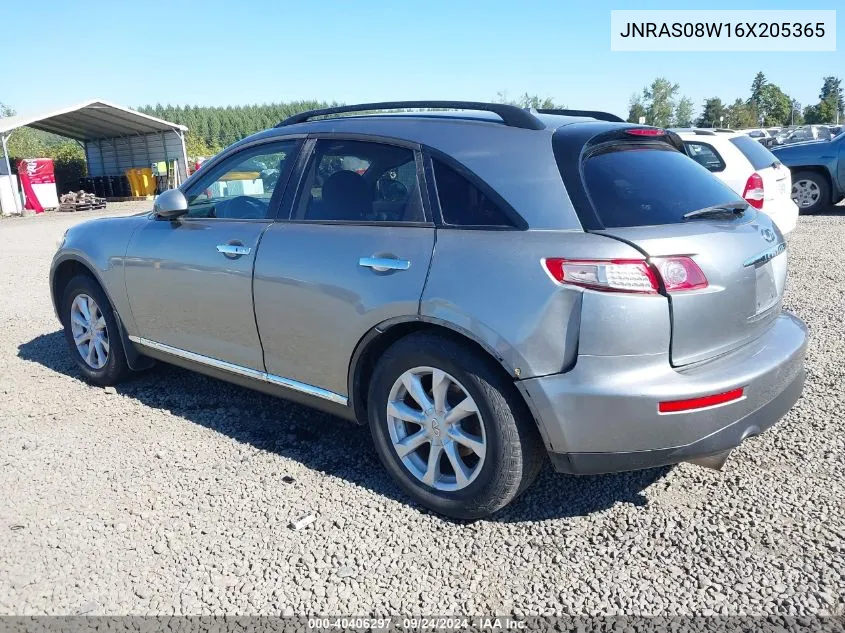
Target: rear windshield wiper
[(719, 209)]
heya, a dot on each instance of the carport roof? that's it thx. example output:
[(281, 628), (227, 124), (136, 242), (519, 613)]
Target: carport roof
[(91, 120)]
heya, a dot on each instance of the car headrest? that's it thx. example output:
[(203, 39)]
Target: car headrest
[(346, 196)]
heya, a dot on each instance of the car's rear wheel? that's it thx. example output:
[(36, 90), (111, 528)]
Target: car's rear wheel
[(810, 191), (92, 332), (450, 427)]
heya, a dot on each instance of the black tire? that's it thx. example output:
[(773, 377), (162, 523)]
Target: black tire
[(515, 450), (824, 190), (115, 368)]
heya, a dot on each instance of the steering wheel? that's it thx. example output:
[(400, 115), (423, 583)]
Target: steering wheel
[(392, 190), (242, 208)]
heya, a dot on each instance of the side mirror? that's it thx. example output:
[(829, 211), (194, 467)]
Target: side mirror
[(170, 204)]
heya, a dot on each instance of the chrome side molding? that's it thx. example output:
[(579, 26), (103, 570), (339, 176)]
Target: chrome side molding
[(288, 383)]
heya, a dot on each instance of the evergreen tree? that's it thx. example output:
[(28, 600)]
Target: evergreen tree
[(213, 128), (711, 113), (831, 99), (757, 90)]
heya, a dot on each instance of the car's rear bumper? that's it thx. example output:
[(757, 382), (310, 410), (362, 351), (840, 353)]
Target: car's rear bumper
[(602, 416), (722, 440), (784, 213)]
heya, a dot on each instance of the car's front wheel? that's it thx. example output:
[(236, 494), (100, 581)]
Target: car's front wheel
[(450, 427), (810, 191), (92, 333)]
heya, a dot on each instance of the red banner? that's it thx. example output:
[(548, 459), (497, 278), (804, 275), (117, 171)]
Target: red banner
[(35, 171)]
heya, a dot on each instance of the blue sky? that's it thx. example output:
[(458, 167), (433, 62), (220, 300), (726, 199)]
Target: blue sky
[(223, 52)]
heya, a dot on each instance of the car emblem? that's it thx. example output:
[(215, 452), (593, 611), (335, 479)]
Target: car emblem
[(768, 234)]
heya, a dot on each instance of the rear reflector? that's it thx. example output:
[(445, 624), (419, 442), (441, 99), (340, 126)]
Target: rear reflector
[(613, 275), (674, 406), (646, 131), (753, 193)]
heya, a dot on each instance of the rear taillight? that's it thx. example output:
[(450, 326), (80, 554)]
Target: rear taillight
[(613, 275), (627, 275), (753, 192), (679, 273)]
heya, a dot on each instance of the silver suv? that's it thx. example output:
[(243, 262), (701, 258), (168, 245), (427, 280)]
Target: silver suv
[(483, 287)]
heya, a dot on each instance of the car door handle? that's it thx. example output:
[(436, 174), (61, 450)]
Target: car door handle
[(383, 264), (233, 249)]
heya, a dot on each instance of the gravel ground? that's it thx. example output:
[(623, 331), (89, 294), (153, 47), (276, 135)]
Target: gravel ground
[(173, 494)]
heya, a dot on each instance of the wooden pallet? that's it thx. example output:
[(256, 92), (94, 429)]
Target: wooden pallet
[(71, 207)]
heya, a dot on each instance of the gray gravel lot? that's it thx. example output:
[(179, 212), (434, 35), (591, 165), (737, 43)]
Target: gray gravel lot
[(173, 495)]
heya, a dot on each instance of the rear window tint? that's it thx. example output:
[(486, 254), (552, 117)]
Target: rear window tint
[(464, 204), (757, 155), (705, 155), (643, 185)]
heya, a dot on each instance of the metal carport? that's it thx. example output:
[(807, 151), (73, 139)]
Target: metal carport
[(114, 138)]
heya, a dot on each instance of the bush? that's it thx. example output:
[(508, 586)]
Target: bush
[(68, 158)]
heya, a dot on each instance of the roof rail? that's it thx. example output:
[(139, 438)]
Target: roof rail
[(512, 116), (596, 114)]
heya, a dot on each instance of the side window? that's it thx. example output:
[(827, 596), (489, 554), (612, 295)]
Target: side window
[(241, 187), (464, 204), (359, 181), (705, 155)]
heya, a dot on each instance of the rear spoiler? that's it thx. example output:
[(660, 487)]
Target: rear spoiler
[(642, 133), (595, 114)]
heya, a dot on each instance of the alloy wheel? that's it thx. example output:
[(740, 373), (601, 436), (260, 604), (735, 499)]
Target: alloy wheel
[(436, 429), (90, 333), (805, 193)]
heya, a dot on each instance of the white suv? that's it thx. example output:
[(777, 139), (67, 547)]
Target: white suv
[(748, 168)]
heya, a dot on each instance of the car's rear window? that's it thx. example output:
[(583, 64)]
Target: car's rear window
[(643, 185), (757, 155)]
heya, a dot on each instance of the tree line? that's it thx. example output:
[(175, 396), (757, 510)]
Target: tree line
[(767, 105), (211, 128)]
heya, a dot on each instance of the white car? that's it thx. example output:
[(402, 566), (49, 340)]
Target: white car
[(755, 132), (805, 133), (749, 169)]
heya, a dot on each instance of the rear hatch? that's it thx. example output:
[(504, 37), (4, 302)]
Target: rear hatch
[(777, 181), (638, 189)]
